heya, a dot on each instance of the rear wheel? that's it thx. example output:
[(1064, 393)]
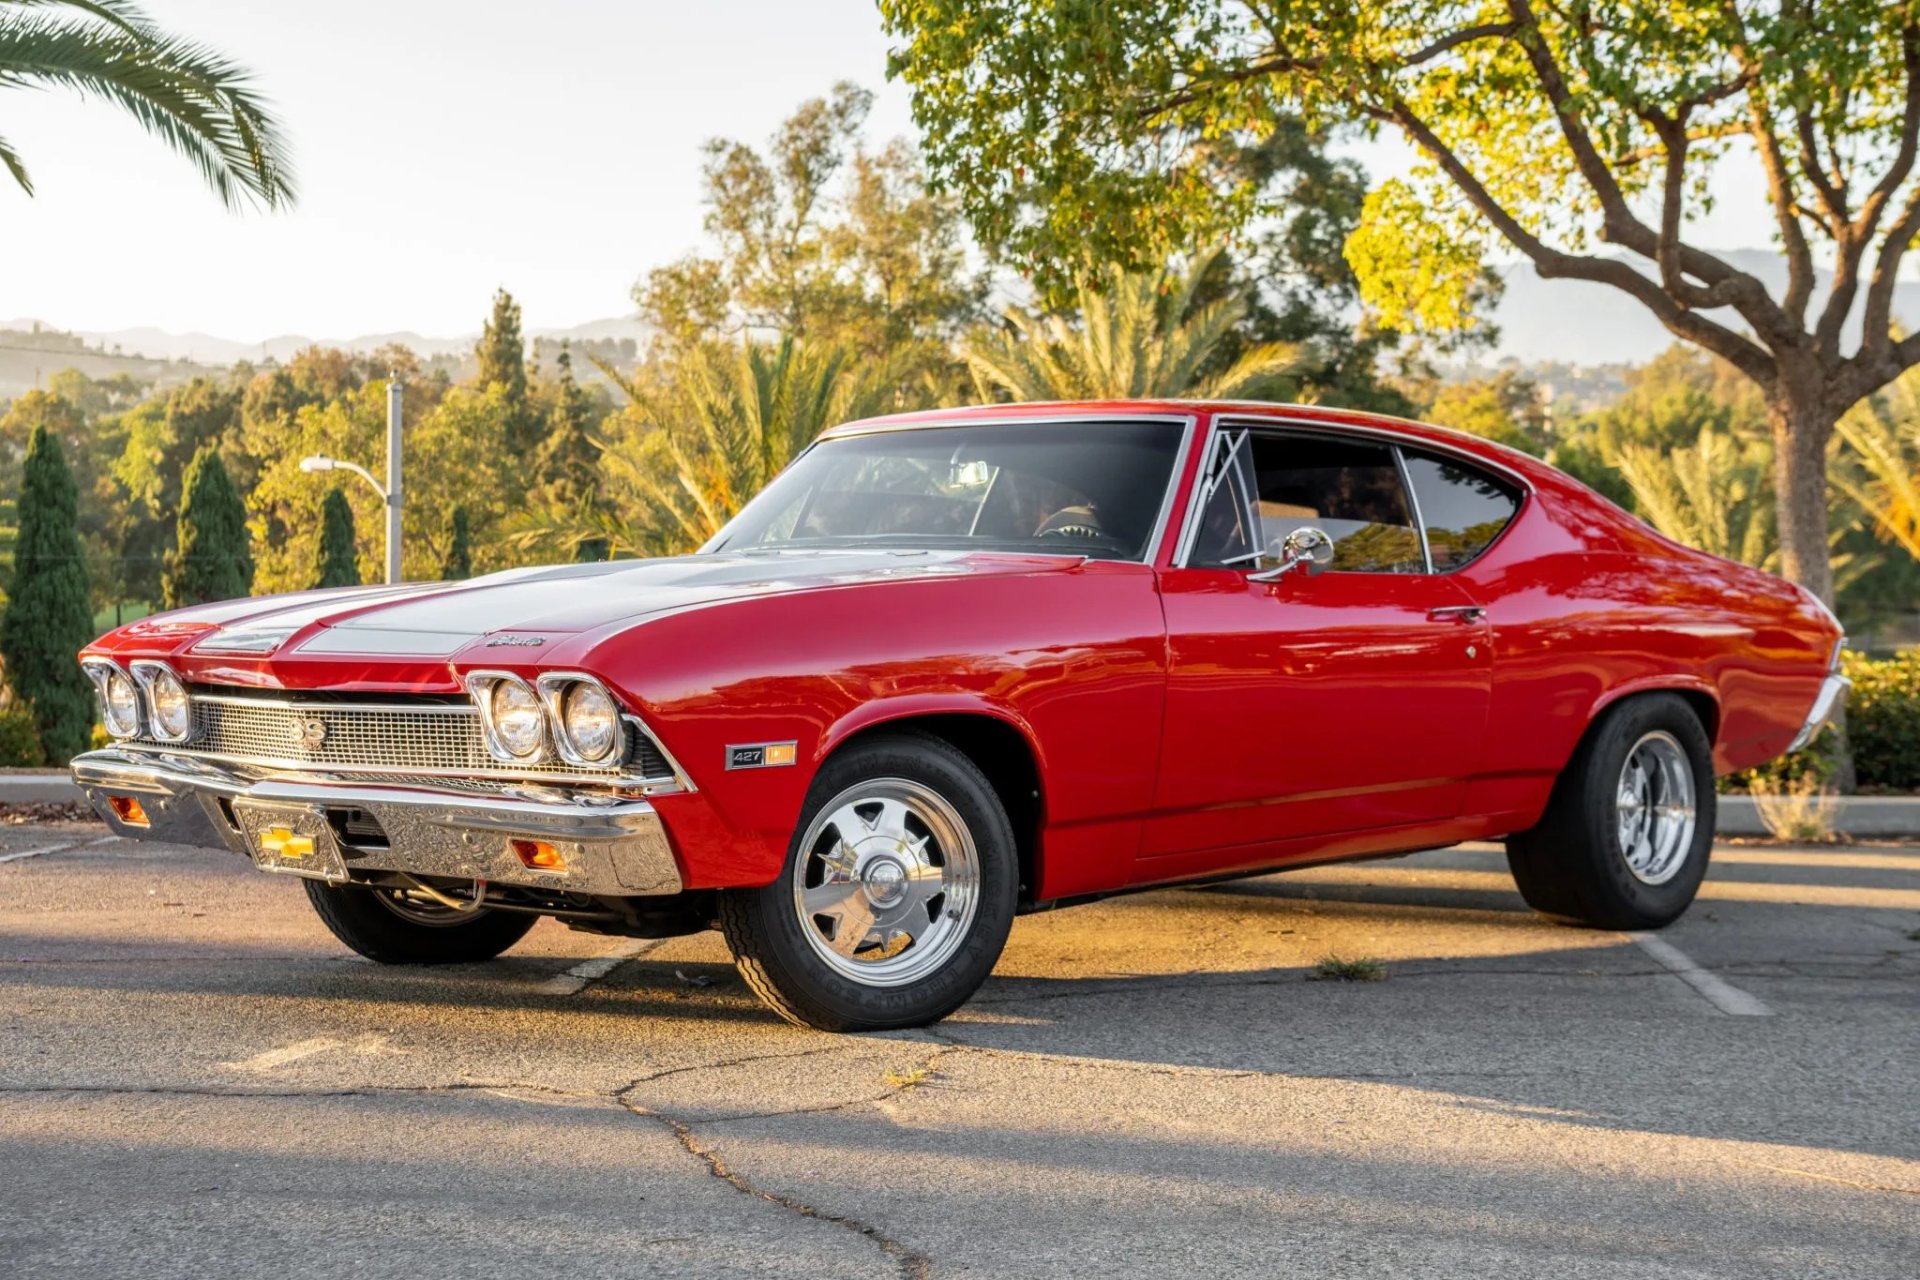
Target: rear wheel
[(1626, 836), (897, 894), (386, 927)]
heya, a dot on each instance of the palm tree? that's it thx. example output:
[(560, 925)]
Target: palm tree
[(1882, 473), (190, 97), (693, 447), (1139, 336)]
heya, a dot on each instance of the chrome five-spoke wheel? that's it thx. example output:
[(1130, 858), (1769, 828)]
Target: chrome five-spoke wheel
[(897, 894), (887, 882), (1656, 807)]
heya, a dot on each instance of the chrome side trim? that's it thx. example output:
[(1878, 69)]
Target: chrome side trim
[(1413, 504), (1822, 710), (614, 846)]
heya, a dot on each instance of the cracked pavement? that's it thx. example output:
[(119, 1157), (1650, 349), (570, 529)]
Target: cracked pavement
[(197, 1080)]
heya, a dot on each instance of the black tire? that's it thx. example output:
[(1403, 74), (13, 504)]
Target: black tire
[(766, 932), (1571, 866), (360, 919)]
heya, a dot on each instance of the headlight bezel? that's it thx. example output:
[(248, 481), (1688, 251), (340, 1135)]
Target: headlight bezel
[(481, 686), (556, 691), (151, 677), (104, 672)]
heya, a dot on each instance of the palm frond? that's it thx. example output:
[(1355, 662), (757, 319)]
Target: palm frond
[(197, 101), (11, 159)]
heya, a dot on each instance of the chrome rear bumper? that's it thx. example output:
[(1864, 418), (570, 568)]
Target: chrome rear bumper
[(611, 845), (1823, 704)]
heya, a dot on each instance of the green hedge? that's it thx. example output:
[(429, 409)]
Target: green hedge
[(1883, 724), (19, 743)]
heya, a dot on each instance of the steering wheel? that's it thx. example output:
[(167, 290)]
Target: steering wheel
[(1079, 523)]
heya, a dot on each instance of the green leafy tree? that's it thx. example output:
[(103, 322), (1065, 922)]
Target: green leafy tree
[(819, 238), (48, 616), (700, 439), (212, 559), (339, 562), (1507, 407), (1549, 128), (193, 99), (457, 565), (1136, 336)]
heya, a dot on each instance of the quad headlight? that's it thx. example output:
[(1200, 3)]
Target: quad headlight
[(519, 723), (119, 697), (564, 714), (172, 709), (589, 721)]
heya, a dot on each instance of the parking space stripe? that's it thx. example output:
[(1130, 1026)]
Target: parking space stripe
[(576, 979), (20, 854), (1721, 994)]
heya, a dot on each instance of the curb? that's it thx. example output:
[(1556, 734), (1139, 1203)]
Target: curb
[(51, 787), (1866, 817)]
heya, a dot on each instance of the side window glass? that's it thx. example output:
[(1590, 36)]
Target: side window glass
[(1348, 489), (1463, 508)]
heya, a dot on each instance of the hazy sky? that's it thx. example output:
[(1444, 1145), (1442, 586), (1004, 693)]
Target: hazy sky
[(443, 147)]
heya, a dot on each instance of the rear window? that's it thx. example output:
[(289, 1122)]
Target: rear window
[(1463, 507)]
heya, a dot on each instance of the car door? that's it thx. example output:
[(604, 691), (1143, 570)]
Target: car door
[(1312, 703)]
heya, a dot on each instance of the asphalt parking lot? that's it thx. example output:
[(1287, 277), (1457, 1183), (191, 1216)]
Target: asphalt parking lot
[(196, 1080)]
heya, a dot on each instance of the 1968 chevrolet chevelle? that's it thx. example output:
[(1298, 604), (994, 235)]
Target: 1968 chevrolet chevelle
[(953, 666)]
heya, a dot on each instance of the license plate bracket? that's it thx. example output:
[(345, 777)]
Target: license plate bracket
[(290, 839)]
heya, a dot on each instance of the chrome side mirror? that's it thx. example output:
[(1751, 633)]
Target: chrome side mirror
[(1304, 546)]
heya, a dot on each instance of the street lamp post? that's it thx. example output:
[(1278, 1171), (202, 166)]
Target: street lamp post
[(390, 493)]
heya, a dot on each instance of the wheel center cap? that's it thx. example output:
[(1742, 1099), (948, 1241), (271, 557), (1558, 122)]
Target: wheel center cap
[(885, 880)]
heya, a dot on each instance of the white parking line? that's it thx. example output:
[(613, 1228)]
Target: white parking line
[(577, 978), (1721, 994), (19, 854)]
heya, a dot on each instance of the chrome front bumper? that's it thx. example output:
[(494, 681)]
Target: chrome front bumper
[(1823, 704), (612, 846)]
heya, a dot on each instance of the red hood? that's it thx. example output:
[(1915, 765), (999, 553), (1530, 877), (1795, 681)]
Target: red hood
[(413, 635)]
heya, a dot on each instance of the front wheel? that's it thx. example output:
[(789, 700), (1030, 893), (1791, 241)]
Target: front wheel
[(1625, 838), (389, 928), (897, 894)]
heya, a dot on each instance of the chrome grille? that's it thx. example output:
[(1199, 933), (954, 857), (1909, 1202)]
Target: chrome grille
[(417, 738)]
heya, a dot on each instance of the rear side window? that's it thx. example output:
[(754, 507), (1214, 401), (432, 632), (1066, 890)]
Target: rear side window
[(1463, 507)]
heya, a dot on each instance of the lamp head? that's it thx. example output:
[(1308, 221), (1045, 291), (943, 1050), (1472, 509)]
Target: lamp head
[(316, 463)]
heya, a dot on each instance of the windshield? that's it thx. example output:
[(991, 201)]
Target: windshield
[(1090, 488)]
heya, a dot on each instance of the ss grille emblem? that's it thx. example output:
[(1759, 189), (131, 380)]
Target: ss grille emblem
[(310, 733)]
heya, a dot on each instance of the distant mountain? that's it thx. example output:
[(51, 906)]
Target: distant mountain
[(1574, 322), (1563, 321), (203, 348)]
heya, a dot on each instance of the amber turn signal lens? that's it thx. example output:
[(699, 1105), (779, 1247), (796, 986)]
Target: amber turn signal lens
[(128, 810), (780, 753), (538, 855)]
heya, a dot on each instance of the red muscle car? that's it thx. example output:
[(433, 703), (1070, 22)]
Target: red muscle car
[(950, 667)]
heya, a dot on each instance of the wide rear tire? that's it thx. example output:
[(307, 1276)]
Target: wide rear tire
[(1626, 836), (896, 897), (382, 933)]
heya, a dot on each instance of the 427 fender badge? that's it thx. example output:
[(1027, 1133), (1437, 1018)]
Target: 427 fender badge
[(761, 755)]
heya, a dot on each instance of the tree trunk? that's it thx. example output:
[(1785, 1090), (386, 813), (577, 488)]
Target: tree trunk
[(1802, 423)]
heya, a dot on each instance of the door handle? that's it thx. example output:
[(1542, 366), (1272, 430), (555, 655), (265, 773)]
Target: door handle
[(1456, 613)]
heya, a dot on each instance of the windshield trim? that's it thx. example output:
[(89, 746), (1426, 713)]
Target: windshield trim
[(1149, 554)]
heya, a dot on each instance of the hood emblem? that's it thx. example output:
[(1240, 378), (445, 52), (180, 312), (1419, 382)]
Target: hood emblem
[(518, 642), (310, 733)]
